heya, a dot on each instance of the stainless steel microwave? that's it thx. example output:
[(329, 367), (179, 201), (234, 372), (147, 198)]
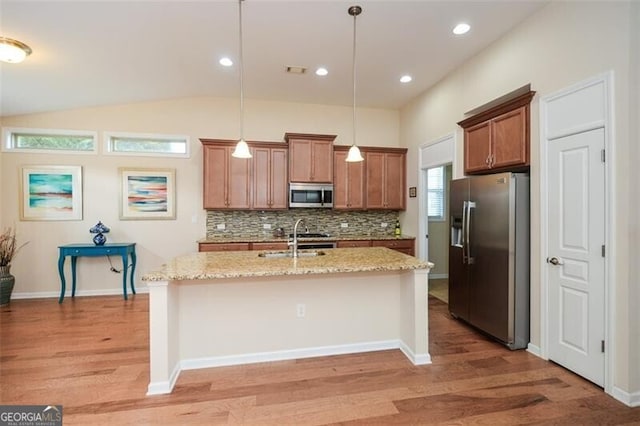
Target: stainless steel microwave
[(310, 195)]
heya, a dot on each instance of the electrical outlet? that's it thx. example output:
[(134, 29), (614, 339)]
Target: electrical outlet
[(384, 224), (344, 225), (220, 227), (266, 226), (301, 310)]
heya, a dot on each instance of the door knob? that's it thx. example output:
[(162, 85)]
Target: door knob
[(554, 261)]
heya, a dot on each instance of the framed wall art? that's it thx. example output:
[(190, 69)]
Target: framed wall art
[(51, 193), (147, 194)]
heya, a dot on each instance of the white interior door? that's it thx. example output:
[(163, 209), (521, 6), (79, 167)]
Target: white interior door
[(575, 263)]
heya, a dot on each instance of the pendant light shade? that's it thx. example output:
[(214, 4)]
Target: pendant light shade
[(242, 149), (13, 51), (354, 154)]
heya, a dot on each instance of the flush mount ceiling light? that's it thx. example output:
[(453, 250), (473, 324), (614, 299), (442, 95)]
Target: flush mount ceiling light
[(405, 79), (322, 72), (226, 62), (242, 149), (461, 28), (13, 51), (354, 154)]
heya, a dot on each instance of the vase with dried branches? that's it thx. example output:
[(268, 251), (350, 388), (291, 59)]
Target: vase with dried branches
[(8, 249)]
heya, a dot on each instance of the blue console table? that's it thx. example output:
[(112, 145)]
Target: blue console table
[(91, 250)]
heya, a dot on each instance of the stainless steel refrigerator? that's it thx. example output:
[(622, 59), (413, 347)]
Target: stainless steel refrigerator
[(489, 255)]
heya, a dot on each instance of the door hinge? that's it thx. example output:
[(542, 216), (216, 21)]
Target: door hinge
[(603, 157), (603, 250), (602, 345)]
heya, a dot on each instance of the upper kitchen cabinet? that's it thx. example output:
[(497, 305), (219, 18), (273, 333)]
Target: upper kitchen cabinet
[(348, 181), (385, 178), (226, 180), (269, 176), (310, 157), (498, 139), (258, 183)]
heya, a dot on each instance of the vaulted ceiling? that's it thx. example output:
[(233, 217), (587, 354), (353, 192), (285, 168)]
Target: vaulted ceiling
[(90, 53)]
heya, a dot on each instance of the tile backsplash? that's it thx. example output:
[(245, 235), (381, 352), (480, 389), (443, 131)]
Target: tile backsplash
[(252, 223)]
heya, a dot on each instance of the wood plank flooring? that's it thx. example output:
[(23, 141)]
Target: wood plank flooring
[(91, 356)]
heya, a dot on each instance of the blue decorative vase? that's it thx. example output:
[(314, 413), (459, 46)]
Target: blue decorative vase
[(99, 229), (99, 239)]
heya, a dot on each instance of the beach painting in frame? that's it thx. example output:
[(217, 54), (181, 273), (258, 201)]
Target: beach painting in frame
[(147, 194), (51, 193)]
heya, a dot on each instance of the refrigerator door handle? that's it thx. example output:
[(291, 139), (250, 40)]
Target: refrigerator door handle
[(464, 232), (470, 205)]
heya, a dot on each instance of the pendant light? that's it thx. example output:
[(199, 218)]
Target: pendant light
[(13, 51), (354, 154), (242, 149)]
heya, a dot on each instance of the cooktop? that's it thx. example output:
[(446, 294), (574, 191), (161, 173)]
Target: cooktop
[(311, 235)]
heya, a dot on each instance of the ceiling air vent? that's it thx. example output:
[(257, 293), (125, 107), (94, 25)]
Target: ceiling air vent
[(296, 70)]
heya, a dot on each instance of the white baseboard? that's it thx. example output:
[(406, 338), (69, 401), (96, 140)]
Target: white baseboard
[(630, 399), (164, 387), (438, 276), (160, 388), (416, 359), (534, 350), (79, 293), (221, 361)]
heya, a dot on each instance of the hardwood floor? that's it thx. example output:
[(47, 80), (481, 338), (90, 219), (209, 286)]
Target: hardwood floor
[(91, 356), (439, 288)]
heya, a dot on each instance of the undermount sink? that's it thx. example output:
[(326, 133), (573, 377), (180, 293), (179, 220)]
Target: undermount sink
[(287, 253)]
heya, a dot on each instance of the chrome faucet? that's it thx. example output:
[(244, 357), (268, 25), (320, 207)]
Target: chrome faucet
[(294, 244)]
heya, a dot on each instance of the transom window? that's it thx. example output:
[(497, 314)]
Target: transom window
[(147, 144), (49, 140)]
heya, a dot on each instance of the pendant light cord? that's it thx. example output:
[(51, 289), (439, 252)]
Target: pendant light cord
[(241, 71), (354, 77)]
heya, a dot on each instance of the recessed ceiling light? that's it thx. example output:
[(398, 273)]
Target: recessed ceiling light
[(322, 71), (461, 28), (226, 62), (405, 79)]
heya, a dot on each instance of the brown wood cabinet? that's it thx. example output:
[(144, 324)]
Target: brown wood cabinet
[(498, 139), (385, 178), (223, 246), (226, 180), (310, 157), (269, 177), (269, 246), (348, 181), (403, 246), (258, 183), (353, 243)]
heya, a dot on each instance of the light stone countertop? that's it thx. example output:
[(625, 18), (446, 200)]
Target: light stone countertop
[(271, 239), (238, 264)]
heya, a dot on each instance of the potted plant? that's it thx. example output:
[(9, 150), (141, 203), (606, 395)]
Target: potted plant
[(8, 249)]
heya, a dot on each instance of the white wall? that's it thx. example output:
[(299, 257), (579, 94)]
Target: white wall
[(564, 43), (35, 267)]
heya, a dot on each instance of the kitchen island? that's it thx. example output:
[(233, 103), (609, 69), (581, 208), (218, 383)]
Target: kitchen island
[(226, 308)]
